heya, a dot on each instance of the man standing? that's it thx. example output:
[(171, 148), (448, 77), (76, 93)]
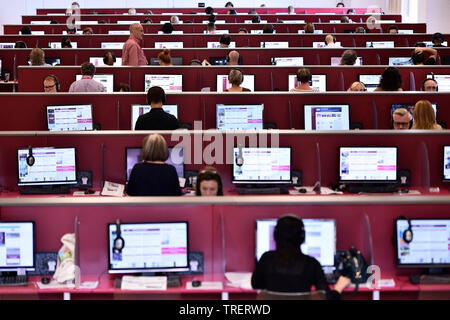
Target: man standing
[(132, 53)]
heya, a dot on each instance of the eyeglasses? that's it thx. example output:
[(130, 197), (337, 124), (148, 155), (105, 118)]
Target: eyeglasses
[(401, 124), (49, 87), (430, 88)]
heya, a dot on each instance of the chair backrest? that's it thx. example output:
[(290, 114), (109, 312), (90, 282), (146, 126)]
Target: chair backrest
[(272, 295)]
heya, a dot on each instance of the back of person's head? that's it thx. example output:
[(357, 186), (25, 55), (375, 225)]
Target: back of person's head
[(25, 30), (75, 5), (211, 26), (233, 58), (156, 95), (20, 44), (351, 11), (232, 11), (357, 86), (53, 22), (229, 5), (349, 57), (148, 21), (167, 28), (391, 79), (256, 19), (88, 31), (174, 20), (87, 69), (420, 44), (309, 28), (393, 28), (109, 58), (340, 5), (195, 62), (65, 42), (225, 39), (243, 30), (164, 57), (417, 57), (123, 87), (37, 57), (154, 148), (304, 75), (291, 9), (360, 30), (289, 232), (252, 11), (330, 39), (424, 117), (148, 12), (209, 10), (212, 18), (235, 77), (101, 21), (268, 28), (208, 174), (345, 19), (132, 11), (437, 38)]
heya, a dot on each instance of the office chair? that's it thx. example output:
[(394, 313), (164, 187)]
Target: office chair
[(272, 295)]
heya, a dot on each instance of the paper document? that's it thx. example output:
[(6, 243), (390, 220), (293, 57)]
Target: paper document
[(239, 279), (144, 283), (55, 285)]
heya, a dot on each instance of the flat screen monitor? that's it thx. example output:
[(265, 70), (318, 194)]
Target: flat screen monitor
[(217, 31), (400, 61), (321, 44), (107, 80), (176, 61), (17, 246), (263, 166), (57, 45), (380, 44), (335, 61), (406, 31), (218, 61), (140, 109), (35, 33), (430, 246), (78, 32), (318, 82), (320, 239), (446, 166), (40, 22), (1, 68), (315, 31), (150, 247), (430, 44), (327, 117), (216, 45), (52, 166), (223, 83), (119, 32), (239, 117), (368, 164), (169, 45), (176, 159), (287, 61), (98, 62), (443, 81), (112, 45), (169, 82), (70, 118), (127, 21), (371, 81), (274, 44), (7, 45), (410, 107)]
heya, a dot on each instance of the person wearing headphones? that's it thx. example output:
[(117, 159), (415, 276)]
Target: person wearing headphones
[(156, 118), (430, 85), (357, 86), (303, 77), (233, 58), (330, 42), (418, 56), (236, 77), (401, 119), (164, 58), (51, 84), (288, 269), (225, 41), (209, 183)]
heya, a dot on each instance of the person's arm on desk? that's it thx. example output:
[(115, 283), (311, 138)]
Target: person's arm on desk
[(342, 283)]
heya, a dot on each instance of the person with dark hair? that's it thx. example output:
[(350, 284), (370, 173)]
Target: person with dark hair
[(391, 80), (211, 28), (66, 43), (212, 18), (309, 28), (340, 5), (20, 45), (147, 21), (303, 77), (167, 28), (345, 19), (53, 22), (256, 19), (438, 40), (156, 118), (209, 183), (420, 44), (123, 87), (393, 30), (288, 269), (231, 11), (148, 12), (109, 58), (360, 30), (88, 31), (430, 85), (132, 53), (164, 58), (291, 10), (418, 56), (243, 30), (101, 21), (348, 58), (87, 83), (209, 10), (351, 11), (50, 84), (25, 30), (268, 28), (225, 40), (229, 5)]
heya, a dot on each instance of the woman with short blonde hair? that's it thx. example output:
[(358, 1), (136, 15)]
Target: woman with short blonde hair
[(154, 148), (424, 117), (37, 57)]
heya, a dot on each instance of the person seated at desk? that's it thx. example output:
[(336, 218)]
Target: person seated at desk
[(123, 87), (304, 77), (418, 56), (330, 42), (174, 20), (233, 58), (156, 118), (164, 58), (132, 11), (66, 43), (309, 28), (236, 77), (211, 28), (243, 31), (153, 176), (430, 85), (109, 58), (391, 80), (268, 28), (393, 30), (424, 117), (51, 84), (209, 183), (288, 269), (225, 41), (87, 83), (357, 86), (20, 45), (401, 119), (37, 58), (348, 58), (167, 28), (88, 31), (438, 40)]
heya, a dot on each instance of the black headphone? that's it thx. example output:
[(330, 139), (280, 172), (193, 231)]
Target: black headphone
[(334, 41), (239, 59), (240, 157), (119, 243), (408, 233), (30, 159), (163, 98), (242, 74), (105, 58), (299, 234), (55, 79), (432, 79), (216, 175)]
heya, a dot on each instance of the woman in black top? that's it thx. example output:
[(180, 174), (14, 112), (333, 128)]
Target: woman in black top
[(289, 270), (236, 77), (153, 176)]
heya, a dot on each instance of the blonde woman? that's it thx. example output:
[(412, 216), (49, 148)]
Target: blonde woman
[(424, 117)]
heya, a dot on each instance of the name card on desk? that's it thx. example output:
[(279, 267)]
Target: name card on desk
[(113, 189), (143, 283)]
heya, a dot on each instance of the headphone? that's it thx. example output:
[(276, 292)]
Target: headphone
[(299, 234), (334, 41), (242, 74), (240, 157), (119, 243), (239, 59), (105, 58), (309, 78), (163, 98), (55, 79), (30, 159), (216, 175), (408, 233), (432, 79)]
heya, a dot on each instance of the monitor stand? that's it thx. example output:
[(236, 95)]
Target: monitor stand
[(262, 189), (373, 188), (433, 276)]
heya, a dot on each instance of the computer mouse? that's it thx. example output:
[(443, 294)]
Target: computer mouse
[(302, 190), (45, 280), (89, 191), (196, 283), (405, 190)]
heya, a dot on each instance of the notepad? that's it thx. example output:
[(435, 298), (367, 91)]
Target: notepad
[(143, 283)]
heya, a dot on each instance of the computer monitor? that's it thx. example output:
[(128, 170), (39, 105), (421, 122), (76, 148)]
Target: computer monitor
[(446, 165), (107, 80), (169, 45), (40, 22), (410, 107), (119, 32), (35, 33), (239, 117), (53, 165), (443, 81), (1, 63), (149, 247), (315, 31), (287, 61), (169, 82), (318, 82), (223, 83), (320, 239), (57, 45), (322, 44), (368, 165), (274, 44), (98, 62), (17, 246), (371, 81), (380, 44), (70, 118), (430, 44), (176, 61), (112, 45), (218, 61), (140, 109), (327, 117), (262, 166), (127, 21), (176, 159), (216, 44), (7, 45), (80, 32), (335, 61), (430, 246), (217, 31), (406, 31), (400, 61)]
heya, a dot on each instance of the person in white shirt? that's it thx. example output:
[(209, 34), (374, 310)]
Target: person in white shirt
[(330, 41)]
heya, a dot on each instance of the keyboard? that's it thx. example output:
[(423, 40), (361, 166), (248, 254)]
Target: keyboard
[(373, 189), (271, 190), (331, 278), (45, 190), (430, 279), (14, 281)]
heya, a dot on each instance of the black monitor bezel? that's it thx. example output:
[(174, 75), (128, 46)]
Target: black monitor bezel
[(27, 268), (71, 105)]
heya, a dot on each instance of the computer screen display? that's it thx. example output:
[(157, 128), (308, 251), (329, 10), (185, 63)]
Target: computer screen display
[(287, 61), (107, 80), (218, 61), (400, 61), (239, 117), (274, 44), (127, 21), (17, 246), (443, 81), (214, 45), (112, 45), (223, 83), (169, 45), (446, 165), (335, 61), (380, 44), (322, 44), (57, 45), (149, 247), (320, 239), (315, 31), (406, 31), (0, 67), (52, 166), (40, 22), (430, 246), (119, 32), (217, 31), (430, 44), (176, 159), (98, 62), (169, 82), (371, 81), (368, 164), (327, 117), (35, 33), (69, 118), (7, 45), (263, 165), (410, 107), (318, 82), (176, 61), (140, 109)]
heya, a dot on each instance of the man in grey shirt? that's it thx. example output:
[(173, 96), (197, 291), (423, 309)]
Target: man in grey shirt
[(86, 83)]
